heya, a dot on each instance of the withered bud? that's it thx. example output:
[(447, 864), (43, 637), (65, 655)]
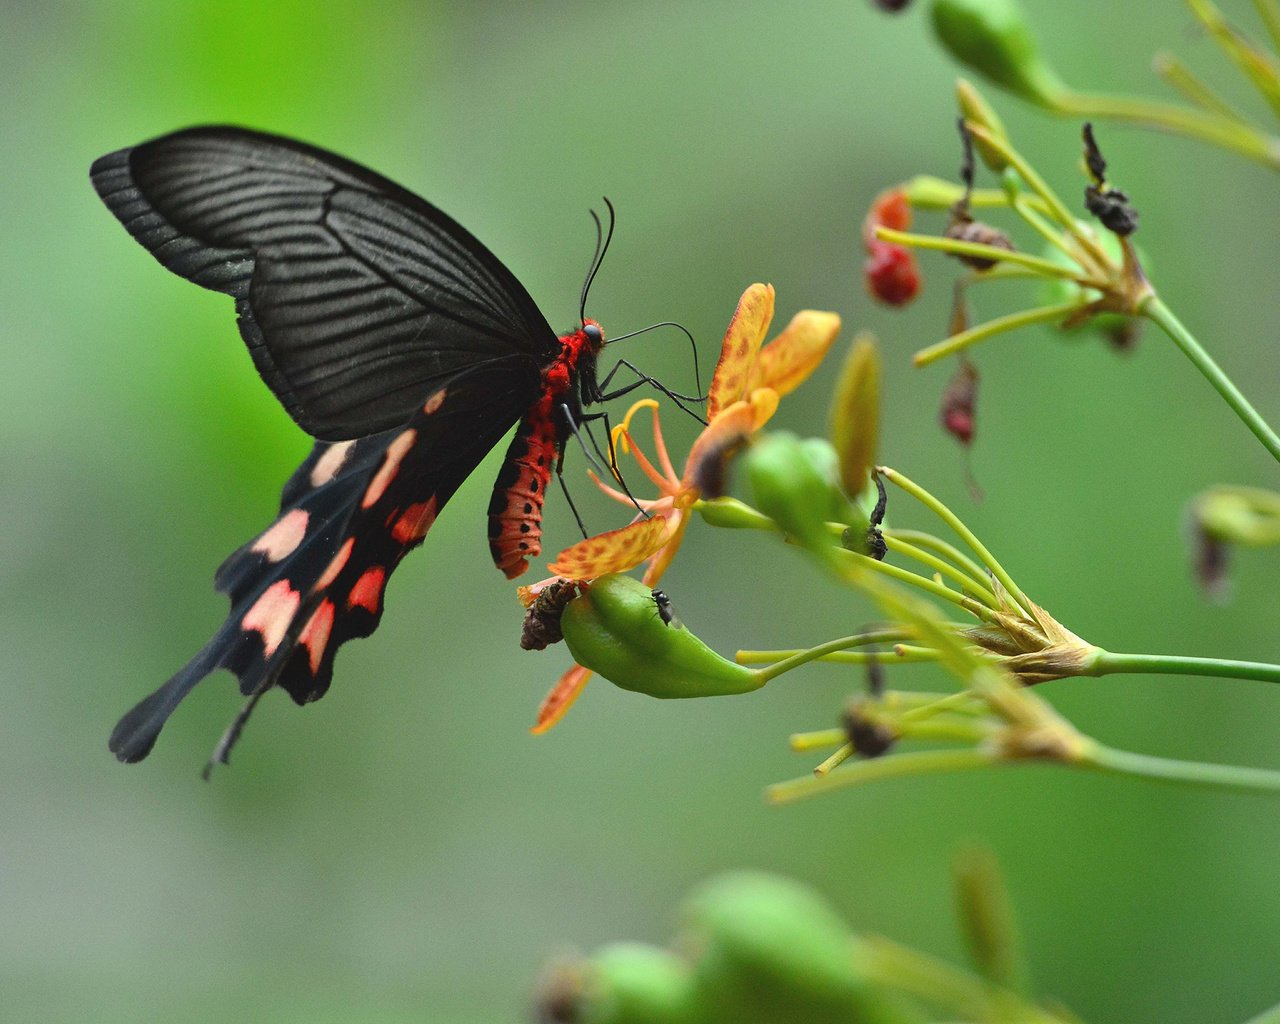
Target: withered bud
[(964, 229), (868, 737), (958, 410), (876, 546), (541, 626), (891, 6), (1211, 563), (1109, 205)]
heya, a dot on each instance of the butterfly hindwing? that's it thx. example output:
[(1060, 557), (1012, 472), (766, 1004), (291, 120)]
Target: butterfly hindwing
[(355, 297), (315, 577)]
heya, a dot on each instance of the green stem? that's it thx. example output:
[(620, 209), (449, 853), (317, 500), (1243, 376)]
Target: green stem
[(1107, 663), (964, 533), (924, 762), (1154, 309), (929, 586), (1216, 776), (1219, 131), (956, 247), (973, 586), (1269, 12), (1011, 322), (941, 547), (1182, 78), (939, 984)]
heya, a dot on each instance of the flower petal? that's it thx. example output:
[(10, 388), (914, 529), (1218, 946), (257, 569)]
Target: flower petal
[(741, 343), (667, 553), (704, 470), (786, 362), (561, 698), (615, 551)]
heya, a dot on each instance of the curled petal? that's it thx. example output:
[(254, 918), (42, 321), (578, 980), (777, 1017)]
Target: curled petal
[(615, 551), (741, 343), (786, 362), (704, 470), (561, 698)]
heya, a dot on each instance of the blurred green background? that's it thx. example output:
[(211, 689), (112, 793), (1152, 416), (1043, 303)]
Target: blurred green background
[(404, 850)]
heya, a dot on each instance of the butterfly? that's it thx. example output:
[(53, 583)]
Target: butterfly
[(390, 335)]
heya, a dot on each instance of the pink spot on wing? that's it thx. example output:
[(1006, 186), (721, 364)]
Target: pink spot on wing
[(284, 536), (335, 567), (367, 593), (415, 521), (327, 466), (435, 401), (396, 451), (315, 634), (271, 615)]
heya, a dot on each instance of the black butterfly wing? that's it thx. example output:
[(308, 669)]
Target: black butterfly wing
[(315, 578), (356, 297)]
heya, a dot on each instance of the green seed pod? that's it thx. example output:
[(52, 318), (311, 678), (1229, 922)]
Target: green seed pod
[(793, 483), (768, 949), (615, 629), (993, 38)]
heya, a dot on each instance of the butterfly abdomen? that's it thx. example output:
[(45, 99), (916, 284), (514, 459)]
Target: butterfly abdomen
[(515, 511)]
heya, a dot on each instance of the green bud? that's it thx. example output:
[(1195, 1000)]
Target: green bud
[(854, 420), (993, 38), (975, 108), (767, 949), (793, 483), (1249, 516), (614, 628), (986, 918), (632, 983)]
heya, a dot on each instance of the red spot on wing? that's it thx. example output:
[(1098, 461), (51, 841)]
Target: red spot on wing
[(283, 537), (396, 451), (271, 614), (415, 521), (435, 401), (367, 592), (336, 566), (315, 634)]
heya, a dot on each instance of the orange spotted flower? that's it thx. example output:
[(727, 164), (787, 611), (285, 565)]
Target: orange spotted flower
[(748, 382)]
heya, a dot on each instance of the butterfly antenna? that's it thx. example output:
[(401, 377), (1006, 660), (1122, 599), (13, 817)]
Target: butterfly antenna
[(693, 345), (603, 238)]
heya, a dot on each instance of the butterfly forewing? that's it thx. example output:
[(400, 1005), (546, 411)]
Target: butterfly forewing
[(356, 297), (315, 578)]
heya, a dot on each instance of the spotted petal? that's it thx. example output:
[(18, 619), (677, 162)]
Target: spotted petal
[(615, 551), (742, 342), (787, 361)]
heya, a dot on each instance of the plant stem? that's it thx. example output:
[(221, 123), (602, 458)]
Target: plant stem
[(1155, 310), (1216, 776), (1107, 663), (956, 247), (964, 533), (973, 586), (924, 762), (1248, 142), (1011, 322), (941, 547)]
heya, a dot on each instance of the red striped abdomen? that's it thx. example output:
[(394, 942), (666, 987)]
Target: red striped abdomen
[(515, 511)]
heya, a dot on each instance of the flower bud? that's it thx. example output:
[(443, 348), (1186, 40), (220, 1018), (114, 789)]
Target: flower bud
[(993, 38), (624, 983), (615, 628), (793, 483), (855, 414), (975, 109), (767, 949)]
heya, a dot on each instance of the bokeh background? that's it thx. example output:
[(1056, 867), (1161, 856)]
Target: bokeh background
[(404, 850)]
